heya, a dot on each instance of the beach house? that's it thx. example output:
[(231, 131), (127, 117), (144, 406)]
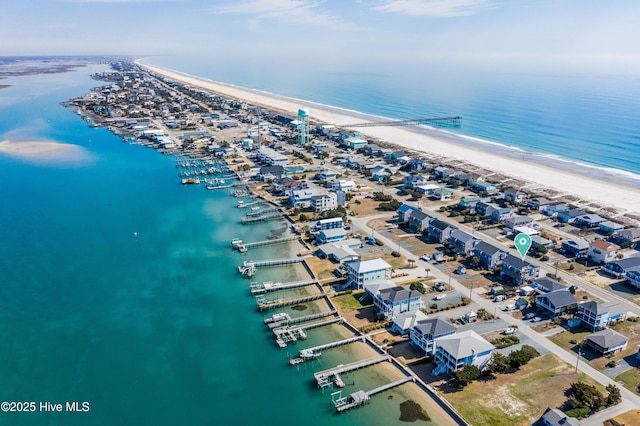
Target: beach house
[(577, 247), (404, 211), (489, 255), (514, 195), (569, 216), (606, 342), (588, 221), (547, 284), (633, 277), (598, 315), (556, 302), (393, 301), (419, 221), (331, 235), (619, 268), (462, 242), (439, 230), (457, 350), (403, 323), (361, 272), (631, 235), (601, 251), (424, 333), (518, 271)]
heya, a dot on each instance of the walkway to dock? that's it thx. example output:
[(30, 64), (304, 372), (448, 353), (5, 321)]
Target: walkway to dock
[(249, 267), (288, 320), (322, 376), (238, 244), (281, 303), (242, 205), (264, 218), (361, 397), (261, 212), (266, 287), (337, 343)]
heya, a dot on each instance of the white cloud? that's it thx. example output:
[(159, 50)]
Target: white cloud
[(299, 12), (435, 8)]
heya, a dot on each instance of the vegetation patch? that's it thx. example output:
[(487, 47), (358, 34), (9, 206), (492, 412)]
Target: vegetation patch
[(411, 411)]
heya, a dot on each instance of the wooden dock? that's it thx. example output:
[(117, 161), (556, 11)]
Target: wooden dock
[(250, 267), (281, 303), (266, 287), (321, 376), (361, 397), (289, 321), (263, 218), (262, 212), (337, 343), (242, 247)]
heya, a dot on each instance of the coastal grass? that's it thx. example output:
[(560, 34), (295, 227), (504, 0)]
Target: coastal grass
[(630, 380), (516, 398), (350, 302)]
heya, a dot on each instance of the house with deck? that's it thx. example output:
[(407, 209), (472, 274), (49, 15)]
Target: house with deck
[(598, 315), (517, 221), (404, 211), (619, 268), (517, 270), (588, 221), (419, 221), (577, 247), (331, 235), (547, 285), (514, 195), (602, 251), (631, 235), (393, 301), (462, 242), (424, 333), (439, 230), (538, 203), (569, 216), (403, 323), (556, 302), (609, 227), (454, 351), (606, 342), (490, 256), (633, 277), (361, 272)]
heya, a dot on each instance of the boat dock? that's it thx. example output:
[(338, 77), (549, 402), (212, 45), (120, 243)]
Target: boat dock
[(336, 344), (361, 397), (250, 267), (261, 212), (264, 304), (242, 247), (323, 378), (289, 335), (280, 320), (266, 287), (242, 204), (263, 218)]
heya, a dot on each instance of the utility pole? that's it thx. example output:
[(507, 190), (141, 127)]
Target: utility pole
[(578, 360)]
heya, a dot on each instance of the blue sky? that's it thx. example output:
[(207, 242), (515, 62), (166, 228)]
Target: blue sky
[(549, 33)]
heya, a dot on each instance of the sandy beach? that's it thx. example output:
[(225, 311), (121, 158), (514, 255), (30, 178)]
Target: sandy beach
[(621, 194), (34, 148)]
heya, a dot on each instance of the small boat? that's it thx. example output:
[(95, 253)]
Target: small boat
[(191, 181)]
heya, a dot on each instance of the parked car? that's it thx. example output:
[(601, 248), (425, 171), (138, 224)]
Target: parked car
[(530, 315), (500, 298), (439, 286), (510, 330), (508, 308), (440, 296), (536, 319)]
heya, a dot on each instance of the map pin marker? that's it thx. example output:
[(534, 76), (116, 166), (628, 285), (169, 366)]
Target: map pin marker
[(523, 243)]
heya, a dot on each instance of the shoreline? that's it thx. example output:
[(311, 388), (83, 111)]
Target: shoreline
[(605, 191)]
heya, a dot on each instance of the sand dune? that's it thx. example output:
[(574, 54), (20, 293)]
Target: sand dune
[(604, 192), (34, 148)]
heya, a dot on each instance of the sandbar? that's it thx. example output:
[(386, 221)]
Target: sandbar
[(603, 191), (34, 148)]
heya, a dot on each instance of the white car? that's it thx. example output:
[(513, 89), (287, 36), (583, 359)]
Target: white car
[(440, 296)]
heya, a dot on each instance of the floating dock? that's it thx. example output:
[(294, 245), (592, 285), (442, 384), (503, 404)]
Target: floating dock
[(323, 377), (289, 335)]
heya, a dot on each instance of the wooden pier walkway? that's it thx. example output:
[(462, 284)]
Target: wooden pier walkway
[(242, 205), (257, 219), (249, 267), (242, 247), (360, 397), (391, 385), (288, 320), (321, 376), (281, 303), (337, 343), (266, 287), (262, 212)]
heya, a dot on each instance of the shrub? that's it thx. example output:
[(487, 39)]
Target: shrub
[(466, 375), (395, 254)]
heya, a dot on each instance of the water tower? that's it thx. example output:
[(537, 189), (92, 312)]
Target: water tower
[(303, 126)]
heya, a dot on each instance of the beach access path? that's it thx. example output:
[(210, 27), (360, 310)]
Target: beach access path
[(605, 192)]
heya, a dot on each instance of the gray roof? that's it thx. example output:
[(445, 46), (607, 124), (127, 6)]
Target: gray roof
[(463, 345), (626, 264), (607, 338), (579, 243), (630, 233), (487, 248), (516, 262), (439, 224), (601, 308), (555, 417), (398, 294), (559, 298), (436, 326), (418, 215), (549, 283), (462, 236)]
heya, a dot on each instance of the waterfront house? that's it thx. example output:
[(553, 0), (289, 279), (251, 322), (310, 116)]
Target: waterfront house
[(619, 268), (403, 323), (439, 230), (514, 195), (633, 277), (323, 202), (391, 302), (301, 198), (601, 251), (418, 220), (339, 252), (577, 247), (609, 227), (598, 315), (556, 302), (461, 242), (490, 256), (518, 271), (547, 284), (404, 211), (588, 221), (361, 272), (631, 235), (442, 172), (538, 203), (552, 210), (487, 187), (417, 164), (555, 417), (331, 235), (424, 333), (606, 342), (334, 222), (286, 185), (270, 173), (457, 350), (569, 216)]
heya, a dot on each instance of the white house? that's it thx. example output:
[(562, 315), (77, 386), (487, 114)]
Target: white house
[(361, 272), (601, 251), (457, 350)]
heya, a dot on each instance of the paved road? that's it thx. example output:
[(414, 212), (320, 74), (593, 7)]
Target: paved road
[(629, 398)]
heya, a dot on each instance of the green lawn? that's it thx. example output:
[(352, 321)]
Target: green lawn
[(631, 379), (349, 302)]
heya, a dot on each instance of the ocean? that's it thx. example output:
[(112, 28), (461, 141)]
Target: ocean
[(588, 122), (120, 288)]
